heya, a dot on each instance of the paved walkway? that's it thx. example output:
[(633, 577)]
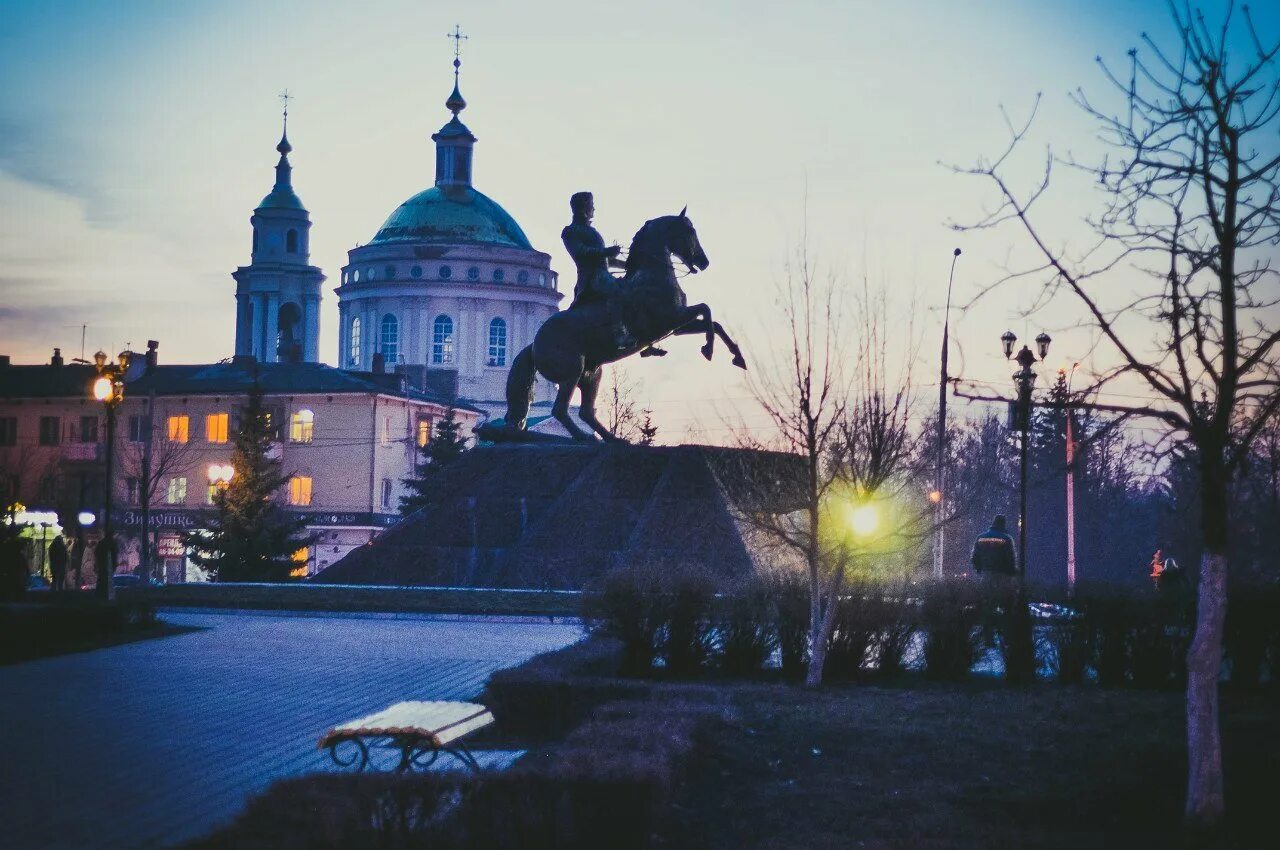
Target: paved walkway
[(153, 743)]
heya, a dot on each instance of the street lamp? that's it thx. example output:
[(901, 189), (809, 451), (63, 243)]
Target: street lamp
[(1024, 379), (108, 388), (220, 475)]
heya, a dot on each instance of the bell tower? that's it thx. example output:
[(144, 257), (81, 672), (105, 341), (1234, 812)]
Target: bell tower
[(278, 293)]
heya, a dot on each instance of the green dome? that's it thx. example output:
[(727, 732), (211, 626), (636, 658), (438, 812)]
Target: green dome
[(453, 217)]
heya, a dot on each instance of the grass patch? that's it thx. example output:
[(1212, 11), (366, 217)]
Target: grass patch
[(967, 766)]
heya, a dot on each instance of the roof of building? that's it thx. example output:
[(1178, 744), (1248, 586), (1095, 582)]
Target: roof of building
[(559, 516), (231, 377), (455, 216)]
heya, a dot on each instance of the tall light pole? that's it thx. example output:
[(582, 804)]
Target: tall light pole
[(1024, 379), (939, 477), (108, 388), (1071, 489)]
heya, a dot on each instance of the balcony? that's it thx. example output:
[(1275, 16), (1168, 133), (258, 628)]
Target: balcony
[(82, 452)]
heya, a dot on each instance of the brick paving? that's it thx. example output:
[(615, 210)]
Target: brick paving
[(153, 743)]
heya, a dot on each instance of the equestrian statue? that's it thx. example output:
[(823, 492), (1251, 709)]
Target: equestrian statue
[(609, 319)]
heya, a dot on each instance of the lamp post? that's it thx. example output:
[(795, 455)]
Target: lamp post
[(1024, 379), (108, 388), (939, 477)]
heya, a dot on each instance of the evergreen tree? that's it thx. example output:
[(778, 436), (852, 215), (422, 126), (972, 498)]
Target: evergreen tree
[(252, 536), (648, 431), (445, 446)]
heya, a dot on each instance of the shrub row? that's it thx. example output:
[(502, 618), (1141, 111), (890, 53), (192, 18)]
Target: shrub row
[(680, 626), (606, 785)]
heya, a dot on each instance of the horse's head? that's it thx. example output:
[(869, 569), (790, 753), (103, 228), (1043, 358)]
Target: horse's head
[(682, 241)]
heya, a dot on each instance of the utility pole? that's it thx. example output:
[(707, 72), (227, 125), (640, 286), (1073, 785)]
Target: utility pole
[(1071, 490), (940, 474)]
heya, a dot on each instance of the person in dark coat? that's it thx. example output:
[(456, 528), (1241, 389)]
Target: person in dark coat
[(58, 562), (993, 553)]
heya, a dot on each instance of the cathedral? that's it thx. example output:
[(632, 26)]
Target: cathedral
[(446, 292)]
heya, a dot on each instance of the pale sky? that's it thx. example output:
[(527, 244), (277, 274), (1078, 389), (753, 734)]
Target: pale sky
[(136, 137)]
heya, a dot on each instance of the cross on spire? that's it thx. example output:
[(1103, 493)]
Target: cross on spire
[(458, 38), (284, 147), (285, 97)]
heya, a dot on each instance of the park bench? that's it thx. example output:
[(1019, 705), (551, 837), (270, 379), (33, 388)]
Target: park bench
[(420, 732)]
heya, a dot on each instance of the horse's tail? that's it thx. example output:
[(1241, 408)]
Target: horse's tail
[(520, 388)]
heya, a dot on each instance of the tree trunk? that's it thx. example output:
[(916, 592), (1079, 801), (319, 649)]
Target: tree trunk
[(1205, 801), (820, 630)]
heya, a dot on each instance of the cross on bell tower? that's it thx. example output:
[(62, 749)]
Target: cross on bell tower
[(454, 141)]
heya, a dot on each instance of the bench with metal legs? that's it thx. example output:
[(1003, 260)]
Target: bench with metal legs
[(420, 732)]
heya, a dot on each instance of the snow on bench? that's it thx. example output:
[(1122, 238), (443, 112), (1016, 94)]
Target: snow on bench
[(419, 731)]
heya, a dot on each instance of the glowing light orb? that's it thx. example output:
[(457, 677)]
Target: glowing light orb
[(864, 519)]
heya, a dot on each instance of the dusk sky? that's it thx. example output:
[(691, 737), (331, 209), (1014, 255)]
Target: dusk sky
[(136, 137)]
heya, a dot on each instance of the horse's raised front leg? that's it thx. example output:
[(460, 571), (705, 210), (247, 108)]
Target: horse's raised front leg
[(703, 326), (702, 314), (589, 384)]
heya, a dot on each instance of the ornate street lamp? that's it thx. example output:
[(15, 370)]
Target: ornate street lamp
[(108, 388), (1024, 379)]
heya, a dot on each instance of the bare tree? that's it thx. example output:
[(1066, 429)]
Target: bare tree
[(850, 431), (1192, 202), (621, 417), (151, 462)]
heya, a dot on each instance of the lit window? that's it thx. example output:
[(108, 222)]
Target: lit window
[(178, 427), (300, 560), (498, 343), (390, 338), (386, 492), (302, 427), (215, 427), (442, 340), (177, 492), (424, 432), (353, 357), (300, 490)]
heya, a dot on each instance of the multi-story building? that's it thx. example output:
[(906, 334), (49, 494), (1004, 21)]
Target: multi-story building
[(348, 440)]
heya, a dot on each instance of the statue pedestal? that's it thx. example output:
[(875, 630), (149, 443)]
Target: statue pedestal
[(560, 515)]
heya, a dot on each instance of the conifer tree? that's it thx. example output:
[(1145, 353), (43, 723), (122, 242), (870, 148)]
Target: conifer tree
[(648, 430), (252, 537), (444, 447)]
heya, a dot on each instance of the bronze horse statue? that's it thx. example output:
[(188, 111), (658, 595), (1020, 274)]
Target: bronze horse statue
[(572, 347)]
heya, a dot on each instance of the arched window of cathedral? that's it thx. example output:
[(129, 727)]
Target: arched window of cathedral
[(445, 272), (390, 339), (473, 273), (416, 271), (355, 275), (291, 241), (498, 343), (522, 277), (370, 273), (353, 357), (542, 280), (498, 275), (442, 340), (255, 240), (390, 272)]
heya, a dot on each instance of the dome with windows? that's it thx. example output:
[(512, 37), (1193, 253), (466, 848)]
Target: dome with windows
[(458, 215)]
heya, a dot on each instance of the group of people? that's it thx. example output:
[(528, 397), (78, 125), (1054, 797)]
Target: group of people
[(15, 563)]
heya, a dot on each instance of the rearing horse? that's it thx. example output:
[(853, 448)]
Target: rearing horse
[(572, 346)]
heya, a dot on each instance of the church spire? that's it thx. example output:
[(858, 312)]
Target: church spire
[(284, 171), (454, 141)]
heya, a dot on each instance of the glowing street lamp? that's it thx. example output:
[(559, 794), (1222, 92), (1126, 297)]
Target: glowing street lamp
[(108, 388), (220, 475), (864, 520)]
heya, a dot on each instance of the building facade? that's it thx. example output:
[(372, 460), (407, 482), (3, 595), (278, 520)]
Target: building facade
[(347, 439)]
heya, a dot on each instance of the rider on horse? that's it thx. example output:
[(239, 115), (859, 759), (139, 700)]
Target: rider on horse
[(595, 284)]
